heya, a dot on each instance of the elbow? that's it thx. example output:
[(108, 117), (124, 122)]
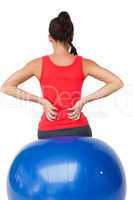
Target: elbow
[(119, 84), (7, 88), (4, 88)]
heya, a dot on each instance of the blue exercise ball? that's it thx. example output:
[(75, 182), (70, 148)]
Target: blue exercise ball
[(67, 168)]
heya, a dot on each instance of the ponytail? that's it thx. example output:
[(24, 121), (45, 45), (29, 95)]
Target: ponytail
[(73, 49)]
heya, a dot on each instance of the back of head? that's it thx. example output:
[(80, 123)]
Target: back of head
[(61, 29)]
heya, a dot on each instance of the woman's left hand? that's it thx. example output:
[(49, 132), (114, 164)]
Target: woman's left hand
[(75, 110)]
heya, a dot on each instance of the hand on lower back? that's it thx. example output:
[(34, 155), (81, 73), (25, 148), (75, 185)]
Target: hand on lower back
[(49, 109), (74, 112)]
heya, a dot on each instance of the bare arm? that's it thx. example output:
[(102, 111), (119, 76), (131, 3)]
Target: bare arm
[(112, 81), (10, 86)]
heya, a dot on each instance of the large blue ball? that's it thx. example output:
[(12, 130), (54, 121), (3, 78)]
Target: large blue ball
[(67, 168)]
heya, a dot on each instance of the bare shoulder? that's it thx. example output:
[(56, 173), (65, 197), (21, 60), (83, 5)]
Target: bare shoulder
[(36, 62), (89, 65), (88, 62), (35, 66)]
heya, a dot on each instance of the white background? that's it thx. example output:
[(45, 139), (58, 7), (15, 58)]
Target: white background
[(103, 32)]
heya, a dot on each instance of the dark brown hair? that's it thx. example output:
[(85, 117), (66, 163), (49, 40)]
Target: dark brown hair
[(61, 29)]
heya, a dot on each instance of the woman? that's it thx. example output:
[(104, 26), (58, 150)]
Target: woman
[(61, 76)]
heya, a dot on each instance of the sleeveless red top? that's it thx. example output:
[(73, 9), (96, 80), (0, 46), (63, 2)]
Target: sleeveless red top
[(61, 85)]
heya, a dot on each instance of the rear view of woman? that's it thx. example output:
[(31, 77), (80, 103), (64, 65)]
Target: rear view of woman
[(61, 76)]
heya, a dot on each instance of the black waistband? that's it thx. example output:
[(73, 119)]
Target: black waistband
[(84, 131)]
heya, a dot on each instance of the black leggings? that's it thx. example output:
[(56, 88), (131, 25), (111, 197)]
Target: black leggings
[(76, 131)]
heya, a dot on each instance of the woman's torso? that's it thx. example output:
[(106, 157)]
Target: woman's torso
[(61, 85)]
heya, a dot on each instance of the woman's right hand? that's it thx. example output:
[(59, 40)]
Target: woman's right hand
[(49, 109)]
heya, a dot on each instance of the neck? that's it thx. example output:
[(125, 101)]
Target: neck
[(61, 49)]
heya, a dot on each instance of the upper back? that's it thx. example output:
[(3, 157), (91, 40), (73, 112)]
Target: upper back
[(59, 61), (64, 60)]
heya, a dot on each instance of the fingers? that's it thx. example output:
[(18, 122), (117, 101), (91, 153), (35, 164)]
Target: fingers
[(51, 115), (48, 116), (74, 115), (53, 107), (77, 117), (71, 109)]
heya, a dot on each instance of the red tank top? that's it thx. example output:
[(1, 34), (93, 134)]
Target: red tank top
[(61, 85)]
